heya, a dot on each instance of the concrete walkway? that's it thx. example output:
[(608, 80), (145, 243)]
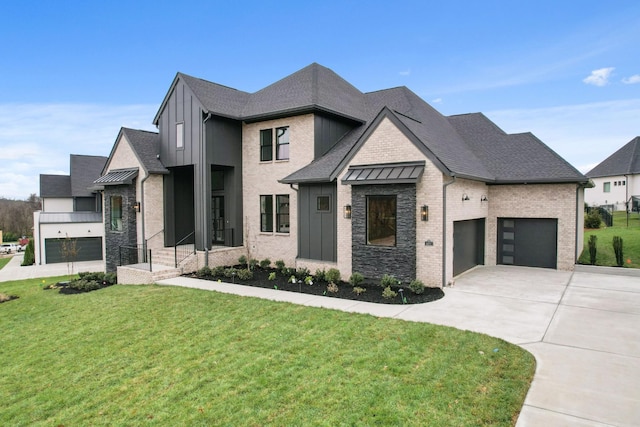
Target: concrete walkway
[(583, 329)]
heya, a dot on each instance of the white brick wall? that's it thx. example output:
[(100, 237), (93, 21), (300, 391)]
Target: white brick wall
[(261, 178)]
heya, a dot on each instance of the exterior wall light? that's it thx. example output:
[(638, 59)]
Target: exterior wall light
[(136, 206), (424, 213), (465, 197), (347, 211), (483, 199)]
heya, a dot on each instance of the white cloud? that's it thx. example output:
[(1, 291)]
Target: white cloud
[(599, 77), (405, 73), (631, 80), (583, 134), (436, 101), (38, 138)]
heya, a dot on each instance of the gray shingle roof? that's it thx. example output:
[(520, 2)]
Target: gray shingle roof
[(84, 170), (55, 185), (146, 145), (512, 157), (625, 161)]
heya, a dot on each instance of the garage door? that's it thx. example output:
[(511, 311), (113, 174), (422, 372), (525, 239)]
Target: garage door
[(86, 248), (468, 245), (529, 242)]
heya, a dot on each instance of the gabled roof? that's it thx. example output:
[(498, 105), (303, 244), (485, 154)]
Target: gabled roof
[(512, 157), (146, 145), (625, 161), (84, 170), (55, 186)]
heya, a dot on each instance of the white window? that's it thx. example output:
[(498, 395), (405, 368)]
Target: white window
[(179, 135)]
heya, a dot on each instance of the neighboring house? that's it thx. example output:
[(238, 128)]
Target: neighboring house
[(617, 179), (71, 214), (314, 172)]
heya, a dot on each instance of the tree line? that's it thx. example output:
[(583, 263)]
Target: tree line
[(16, 217)]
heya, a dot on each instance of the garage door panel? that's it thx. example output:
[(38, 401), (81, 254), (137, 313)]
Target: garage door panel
[(87, 248), (529, 242)]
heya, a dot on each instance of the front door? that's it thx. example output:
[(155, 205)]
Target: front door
[(217, 207)]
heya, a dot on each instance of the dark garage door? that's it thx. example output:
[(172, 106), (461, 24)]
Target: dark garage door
[(468, 244), (87, 248), (529, 242)]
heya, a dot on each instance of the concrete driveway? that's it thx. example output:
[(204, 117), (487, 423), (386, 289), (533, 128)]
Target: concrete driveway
[(582, 327)]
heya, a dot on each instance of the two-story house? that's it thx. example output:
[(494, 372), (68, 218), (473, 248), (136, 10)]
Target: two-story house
[(314, 172), (71, 215), (617, 179)]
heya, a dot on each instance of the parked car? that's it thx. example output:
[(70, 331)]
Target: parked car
[(8, 248)]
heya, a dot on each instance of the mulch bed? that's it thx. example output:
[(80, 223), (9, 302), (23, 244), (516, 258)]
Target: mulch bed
[(373, 291)]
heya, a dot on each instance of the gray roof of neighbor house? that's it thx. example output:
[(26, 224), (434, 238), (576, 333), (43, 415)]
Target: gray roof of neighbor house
[(468, 146), (625, 161), (55, 185), (69, 217), (84, 170)]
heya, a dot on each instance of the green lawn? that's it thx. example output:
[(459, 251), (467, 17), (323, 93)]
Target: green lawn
[(4, 261), (131, 355), (630, 236)]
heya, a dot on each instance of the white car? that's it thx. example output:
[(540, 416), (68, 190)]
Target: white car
[(8, 248)]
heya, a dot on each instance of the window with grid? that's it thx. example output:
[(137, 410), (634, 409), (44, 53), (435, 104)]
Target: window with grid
[(282, 143), (266, 145), (282, 213), (266, 213)]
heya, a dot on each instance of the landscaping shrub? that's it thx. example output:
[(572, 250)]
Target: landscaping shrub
[(332, 287), (358, 290), (280, 264), (388, 293), (617, 249), (265, 263), (332, 275), (388, 280), (242, 260), (592, 219), (29, 254), (416, 286), (253, 263), (230, 272), (320, 275), (204, 272), (356, 279), (593, 249), (302, 272), (217, 271), (245, 274), (84, 285)]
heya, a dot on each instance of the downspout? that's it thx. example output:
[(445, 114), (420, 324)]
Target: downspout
[(204, 161), (444, 229)]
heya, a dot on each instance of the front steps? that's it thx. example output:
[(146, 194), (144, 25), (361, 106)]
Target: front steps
[(162, 267)]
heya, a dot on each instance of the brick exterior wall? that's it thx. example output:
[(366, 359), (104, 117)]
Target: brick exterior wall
[(153, 210), (535, 201), (261, 178)]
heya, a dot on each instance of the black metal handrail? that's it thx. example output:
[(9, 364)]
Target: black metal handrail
[(134, 255), (182, 252)]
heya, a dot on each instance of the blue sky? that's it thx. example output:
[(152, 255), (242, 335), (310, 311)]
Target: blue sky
[(73, 72)]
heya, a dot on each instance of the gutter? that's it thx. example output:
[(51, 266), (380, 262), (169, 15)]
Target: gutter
[(444, 229)]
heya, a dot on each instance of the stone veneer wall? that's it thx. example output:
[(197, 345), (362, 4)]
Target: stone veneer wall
[(127, 237), (375, 261)]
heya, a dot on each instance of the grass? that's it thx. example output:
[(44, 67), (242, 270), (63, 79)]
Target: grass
[(4, 261), (630, 236), (130, 355)]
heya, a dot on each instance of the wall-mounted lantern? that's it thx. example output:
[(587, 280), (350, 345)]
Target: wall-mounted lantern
[(424, 213), (347, 211), (136, 206), (484, 199), (465, 197)]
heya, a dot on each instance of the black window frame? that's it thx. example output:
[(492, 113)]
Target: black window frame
[(381, 219), (266, 145), (279, 144), (283, 224), (266, 213), (116, 213)]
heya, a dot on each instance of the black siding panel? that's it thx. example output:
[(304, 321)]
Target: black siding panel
[(468, 244), (317, 233), (327, 132)]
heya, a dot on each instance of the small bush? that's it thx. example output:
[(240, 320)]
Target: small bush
[(230, 272), (617, 249), (333, 288), (242, 260), (302, 272), (358, 290), (308, 280), (332, 275), (245, 274), (416, 286), (320, 275), (272, 275), (593, 248), (253, 263), (217, 271), (293, 279), (280, 264), (84, 285), (204, 272), (387, 293), (592, 219), (388, 280), (356, 279), (29, 254), (265, 263)]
